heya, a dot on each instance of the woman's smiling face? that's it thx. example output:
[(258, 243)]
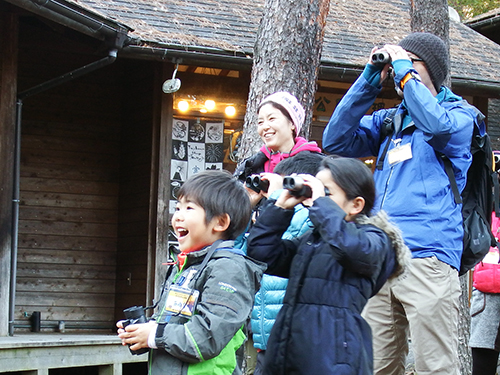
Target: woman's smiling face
[(275, 129)]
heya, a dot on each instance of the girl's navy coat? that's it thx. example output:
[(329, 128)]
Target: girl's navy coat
[(332, 272)]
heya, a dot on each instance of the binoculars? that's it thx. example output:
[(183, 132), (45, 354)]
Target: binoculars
[(381, 58), (255, 183), (296, 186), (135, 315)]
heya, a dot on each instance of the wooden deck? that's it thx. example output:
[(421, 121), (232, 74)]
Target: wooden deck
[(35, 354)]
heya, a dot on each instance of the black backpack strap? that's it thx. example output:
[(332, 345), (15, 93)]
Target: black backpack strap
[(386, 131), (451, 176)]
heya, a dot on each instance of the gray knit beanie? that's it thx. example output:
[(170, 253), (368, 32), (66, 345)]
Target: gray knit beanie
[(433, 51)]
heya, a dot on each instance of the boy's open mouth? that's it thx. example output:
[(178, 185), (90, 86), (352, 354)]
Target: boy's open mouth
[(182, 232)]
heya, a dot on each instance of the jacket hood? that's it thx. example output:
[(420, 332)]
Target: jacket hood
[(403, 254)]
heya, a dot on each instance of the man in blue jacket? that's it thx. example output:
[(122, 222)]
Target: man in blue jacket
[(413, 188)]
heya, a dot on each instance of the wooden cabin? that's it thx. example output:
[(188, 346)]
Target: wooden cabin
[(89, 182)]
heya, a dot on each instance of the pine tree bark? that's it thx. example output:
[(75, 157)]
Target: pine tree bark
[(432, 16), (464, 352), (287, 54)]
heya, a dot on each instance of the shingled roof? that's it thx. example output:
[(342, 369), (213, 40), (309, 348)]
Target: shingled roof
[(485, 17), (229, 27)]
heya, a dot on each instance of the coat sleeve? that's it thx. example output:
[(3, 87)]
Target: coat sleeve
[(226, 300), (349, 132), (362, 249), (265, 241), (447, 127)]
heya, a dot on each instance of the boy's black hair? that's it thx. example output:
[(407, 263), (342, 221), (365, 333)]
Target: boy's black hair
[(304, 162), (219, 193), (353, 177)]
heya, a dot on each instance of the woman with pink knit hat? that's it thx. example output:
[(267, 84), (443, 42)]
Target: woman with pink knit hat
[(280, 119)]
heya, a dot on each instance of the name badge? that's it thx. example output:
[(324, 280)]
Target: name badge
[(181, 301), (399, 154)]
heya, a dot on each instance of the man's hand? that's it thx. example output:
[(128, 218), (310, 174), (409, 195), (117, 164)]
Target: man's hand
[(384, 73), (396, 52)]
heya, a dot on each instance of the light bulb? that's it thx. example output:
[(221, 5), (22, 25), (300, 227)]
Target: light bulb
[(230, 110), (209, 104), (183, 106)]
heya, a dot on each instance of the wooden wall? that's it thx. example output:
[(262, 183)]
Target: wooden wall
[(84, 183), (8, 84), (135, 185)]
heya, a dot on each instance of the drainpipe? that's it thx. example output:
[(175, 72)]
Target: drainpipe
[(17, 157)]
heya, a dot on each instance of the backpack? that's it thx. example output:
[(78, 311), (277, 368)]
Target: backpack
[(477, 196)]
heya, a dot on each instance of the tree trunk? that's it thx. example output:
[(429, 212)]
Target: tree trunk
[(464, 352), (432, 16), (287, 54)]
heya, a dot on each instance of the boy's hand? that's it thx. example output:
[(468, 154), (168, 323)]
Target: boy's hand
[(254, 196), (135, 335), (275, 182)]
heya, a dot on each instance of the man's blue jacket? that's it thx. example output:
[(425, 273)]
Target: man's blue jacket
[(412, 187)]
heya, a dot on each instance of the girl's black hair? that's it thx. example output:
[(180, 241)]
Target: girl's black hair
[(353, 177), (219, 193), (282, 110)]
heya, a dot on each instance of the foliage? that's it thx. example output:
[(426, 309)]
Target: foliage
[(468, 9)]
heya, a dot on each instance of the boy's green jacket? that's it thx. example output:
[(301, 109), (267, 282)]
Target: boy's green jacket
[(207, 342)]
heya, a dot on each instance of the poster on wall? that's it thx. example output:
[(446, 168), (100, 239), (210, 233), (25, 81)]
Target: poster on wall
[(196, 158), (197, 145)]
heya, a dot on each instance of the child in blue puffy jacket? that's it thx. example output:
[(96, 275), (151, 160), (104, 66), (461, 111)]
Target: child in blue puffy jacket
[(269, 298)]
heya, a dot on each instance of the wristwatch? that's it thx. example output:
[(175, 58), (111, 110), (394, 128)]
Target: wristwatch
[(407, 77)]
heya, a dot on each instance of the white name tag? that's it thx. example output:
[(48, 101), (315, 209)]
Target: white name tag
[(181, 301), (399, 154)]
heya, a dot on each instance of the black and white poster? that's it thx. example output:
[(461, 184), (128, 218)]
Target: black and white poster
[(196, 146)]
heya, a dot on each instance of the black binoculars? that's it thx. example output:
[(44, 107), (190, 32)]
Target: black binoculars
[(296, 186), (381, 58), (135, 315), (255, 183)]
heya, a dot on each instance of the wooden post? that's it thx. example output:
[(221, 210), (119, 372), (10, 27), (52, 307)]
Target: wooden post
[(163, 193), (112, 369), (8, 85)]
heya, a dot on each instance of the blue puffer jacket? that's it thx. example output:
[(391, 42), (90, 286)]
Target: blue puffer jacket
[(269, 298), (416, 192)]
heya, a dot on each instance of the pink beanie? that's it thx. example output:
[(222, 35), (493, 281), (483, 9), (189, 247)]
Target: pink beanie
[(291, 104)]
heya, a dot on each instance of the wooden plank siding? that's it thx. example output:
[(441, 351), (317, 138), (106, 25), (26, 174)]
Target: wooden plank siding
[(85, 184), (136, 160), (9, 25)]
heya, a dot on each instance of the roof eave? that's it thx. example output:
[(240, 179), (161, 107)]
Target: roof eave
[(75, 17), (216, 58)]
